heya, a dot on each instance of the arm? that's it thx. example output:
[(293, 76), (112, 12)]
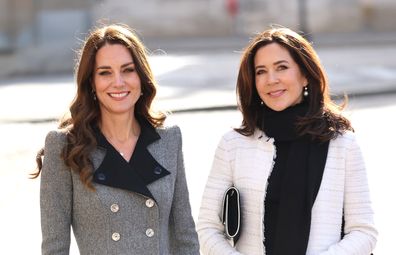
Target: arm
[(210, 228), (185, 240), (55, 198), (360, 232)]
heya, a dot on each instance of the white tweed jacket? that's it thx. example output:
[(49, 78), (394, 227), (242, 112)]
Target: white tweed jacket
[(247, 162)]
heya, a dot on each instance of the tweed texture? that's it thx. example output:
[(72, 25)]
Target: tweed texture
[(66, 203), (247, 163)]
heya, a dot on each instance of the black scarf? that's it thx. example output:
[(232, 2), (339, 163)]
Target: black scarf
[(300, 184)]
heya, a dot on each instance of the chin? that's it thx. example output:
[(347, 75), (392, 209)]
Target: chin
[(277, 108)]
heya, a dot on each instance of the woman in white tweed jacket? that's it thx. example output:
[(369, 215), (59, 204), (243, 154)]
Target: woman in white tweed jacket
[(112, 171), (295, 161)]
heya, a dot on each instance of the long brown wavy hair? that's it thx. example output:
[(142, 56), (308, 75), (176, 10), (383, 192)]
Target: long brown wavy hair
[(84, 110), (323, 120)]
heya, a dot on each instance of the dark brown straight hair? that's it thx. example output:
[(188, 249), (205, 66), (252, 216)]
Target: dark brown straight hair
[(323, 121)]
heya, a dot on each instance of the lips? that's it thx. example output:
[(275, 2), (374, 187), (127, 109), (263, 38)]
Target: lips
[(276, 93), (118, 95)]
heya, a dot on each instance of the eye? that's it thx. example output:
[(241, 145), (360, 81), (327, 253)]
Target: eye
[(282, 67), (129, 70), (104, 73), (260, 71)]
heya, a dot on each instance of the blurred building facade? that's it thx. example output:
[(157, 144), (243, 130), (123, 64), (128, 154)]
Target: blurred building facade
[(41, 36)]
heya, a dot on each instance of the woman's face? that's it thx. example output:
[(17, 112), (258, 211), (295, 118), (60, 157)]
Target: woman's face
[(116, 81), (279, 81)]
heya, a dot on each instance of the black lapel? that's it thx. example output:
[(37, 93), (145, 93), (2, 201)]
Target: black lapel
[(142, 161), (141, 170)]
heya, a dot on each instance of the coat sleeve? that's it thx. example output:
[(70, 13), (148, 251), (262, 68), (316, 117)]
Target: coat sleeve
[(184, 239), (55, 197), (360, 233), (210, 228)]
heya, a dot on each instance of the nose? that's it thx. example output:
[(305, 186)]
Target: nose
[(272, 78), (118, 80)]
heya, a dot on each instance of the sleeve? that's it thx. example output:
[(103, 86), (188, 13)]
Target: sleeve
[(184, 239), (360, 233), (210, 228), (55, 198)]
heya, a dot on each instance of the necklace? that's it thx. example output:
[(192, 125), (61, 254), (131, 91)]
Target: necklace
[(123, 147)]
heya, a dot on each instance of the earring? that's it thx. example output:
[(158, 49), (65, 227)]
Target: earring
[(261, 103), (306, 93), (141, 94), (94, 95)]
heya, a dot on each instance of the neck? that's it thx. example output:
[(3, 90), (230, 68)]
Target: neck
[(120, 128)]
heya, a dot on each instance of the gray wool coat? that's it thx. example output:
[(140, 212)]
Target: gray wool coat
[(112, 220)]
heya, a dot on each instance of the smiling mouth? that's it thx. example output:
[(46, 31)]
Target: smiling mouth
[(276, 93), (118, 95)]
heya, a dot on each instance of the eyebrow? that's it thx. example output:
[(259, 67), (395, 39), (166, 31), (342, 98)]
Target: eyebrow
[(276, 63), (122, 66)]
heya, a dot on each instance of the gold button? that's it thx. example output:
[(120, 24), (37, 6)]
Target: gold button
[(115, 236), (150, 203), (149, 232), (114, 208)]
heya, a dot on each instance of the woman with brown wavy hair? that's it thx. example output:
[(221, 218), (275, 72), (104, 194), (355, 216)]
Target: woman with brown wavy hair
[(295, 161), (112, 171)]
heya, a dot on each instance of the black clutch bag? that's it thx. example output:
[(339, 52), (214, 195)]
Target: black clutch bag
[(231, 215)]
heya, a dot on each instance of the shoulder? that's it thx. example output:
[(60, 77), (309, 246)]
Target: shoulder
[(345, 144), (234, 137), (231, 135), (170, 136), (345, 139), (55, 141), (169, 131), (56, 138)]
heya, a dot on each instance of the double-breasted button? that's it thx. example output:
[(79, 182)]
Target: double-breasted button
[(150, 203), (157, 170), (115, 236), (114, 208), (150, 232), (101, 177)]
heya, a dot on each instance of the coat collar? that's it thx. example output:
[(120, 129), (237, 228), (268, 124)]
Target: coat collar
[(135, 175)]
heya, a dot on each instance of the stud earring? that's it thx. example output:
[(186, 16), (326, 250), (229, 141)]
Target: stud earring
[(305, 93), (261, 103)]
